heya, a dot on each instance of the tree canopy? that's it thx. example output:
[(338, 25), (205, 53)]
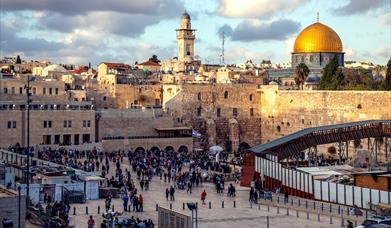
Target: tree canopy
[(301, 74), (332, 77), (387, 80), (154, 58), (18, 60)]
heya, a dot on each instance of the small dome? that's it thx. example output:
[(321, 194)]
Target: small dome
[(53, 69), (312, 79), (317, 38), (185, 15)]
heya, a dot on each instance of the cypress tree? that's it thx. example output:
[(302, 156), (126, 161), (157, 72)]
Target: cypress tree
[(332, 77), (387, 80)]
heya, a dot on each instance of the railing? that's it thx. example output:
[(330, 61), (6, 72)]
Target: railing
[(143, 137)]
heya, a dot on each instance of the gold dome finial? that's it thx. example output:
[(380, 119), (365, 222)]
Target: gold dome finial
[(317, 17)]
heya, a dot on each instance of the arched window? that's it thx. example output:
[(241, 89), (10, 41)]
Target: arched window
[(311, 58), (251, 97), (199, 96), (226, 95)]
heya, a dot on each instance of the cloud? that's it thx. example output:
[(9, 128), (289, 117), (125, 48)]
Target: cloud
[(252, 30), (74, 7), (359, 7), (131, 25), (385, 19), (256, 8)]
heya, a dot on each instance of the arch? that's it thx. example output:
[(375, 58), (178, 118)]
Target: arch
[(169, 149), (139, 150), (183, 149), (226, 95), (154, 149), (243, 146)]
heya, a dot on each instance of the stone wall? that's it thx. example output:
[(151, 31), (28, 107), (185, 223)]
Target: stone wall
[(127, 96), (232, 110), (287, 111), (132, 122)]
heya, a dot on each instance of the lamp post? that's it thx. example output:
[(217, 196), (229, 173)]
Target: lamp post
[(27, 87), (18, 206)]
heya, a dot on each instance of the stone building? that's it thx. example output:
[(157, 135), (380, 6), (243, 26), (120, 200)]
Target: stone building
[(51, 125), (225, 114)]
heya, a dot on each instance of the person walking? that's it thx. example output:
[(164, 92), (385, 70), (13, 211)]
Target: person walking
[(141, 203), (203, 197), (125, 200), (91, 222), (172, 192), (167, 193), (189, 186)]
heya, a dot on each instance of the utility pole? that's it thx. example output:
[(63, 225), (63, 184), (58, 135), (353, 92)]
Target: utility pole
[(28, 140)]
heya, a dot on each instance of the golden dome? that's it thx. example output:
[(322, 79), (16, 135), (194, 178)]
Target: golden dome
[(318, 38)]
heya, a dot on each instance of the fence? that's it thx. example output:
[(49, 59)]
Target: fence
[(300, 183)]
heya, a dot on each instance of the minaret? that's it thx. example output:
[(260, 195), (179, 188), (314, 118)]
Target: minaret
[(185, 37)]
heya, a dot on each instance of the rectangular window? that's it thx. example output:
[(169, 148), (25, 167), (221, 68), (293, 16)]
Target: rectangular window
[(65, 124), (13, 124), (5, 90), (235, 112), (44, 91), (66, 140), (49, 124), (76, 139), (86, 138), (47, 139), (251, 112), (88, 123), (218, 112), (56, 139), (34, 90), (9, 125), (84, 123), (75, 99), (45, 124), (56, 91), (20, 90), (69, 123), (50, 91)]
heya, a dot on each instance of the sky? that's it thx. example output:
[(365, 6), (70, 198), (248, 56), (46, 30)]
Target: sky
[(82, 31)]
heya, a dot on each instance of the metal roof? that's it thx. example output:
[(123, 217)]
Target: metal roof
[(308, 137)]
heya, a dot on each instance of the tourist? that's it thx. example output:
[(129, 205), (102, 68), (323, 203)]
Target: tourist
[(141, 203), (167, 193), (125, 200), (189, 186), (172, 191), (203, 197), (350, 224), (91, 222)]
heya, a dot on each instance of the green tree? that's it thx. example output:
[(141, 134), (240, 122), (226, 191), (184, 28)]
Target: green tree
[(387, 80), (18, 60), (332, 77), (154, 59), (301, 74)]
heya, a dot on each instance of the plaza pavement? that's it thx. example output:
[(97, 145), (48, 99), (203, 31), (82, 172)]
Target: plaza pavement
[(217, 217)]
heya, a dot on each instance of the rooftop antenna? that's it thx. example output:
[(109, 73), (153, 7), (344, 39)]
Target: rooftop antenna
[(222, 49), (317, 17)]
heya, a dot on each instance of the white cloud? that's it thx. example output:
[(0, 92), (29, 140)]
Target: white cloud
[(256, 8), (385, 19)]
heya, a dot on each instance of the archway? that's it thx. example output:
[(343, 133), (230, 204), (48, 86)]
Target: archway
[(169, 149), (155, 149), (139, 150), (183, 149)]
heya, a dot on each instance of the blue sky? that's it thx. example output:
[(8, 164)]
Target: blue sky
[(78, 32)]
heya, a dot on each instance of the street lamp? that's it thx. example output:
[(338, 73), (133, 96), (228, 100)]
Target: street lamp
[(194, 215), (27, 87), (18, 206)]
